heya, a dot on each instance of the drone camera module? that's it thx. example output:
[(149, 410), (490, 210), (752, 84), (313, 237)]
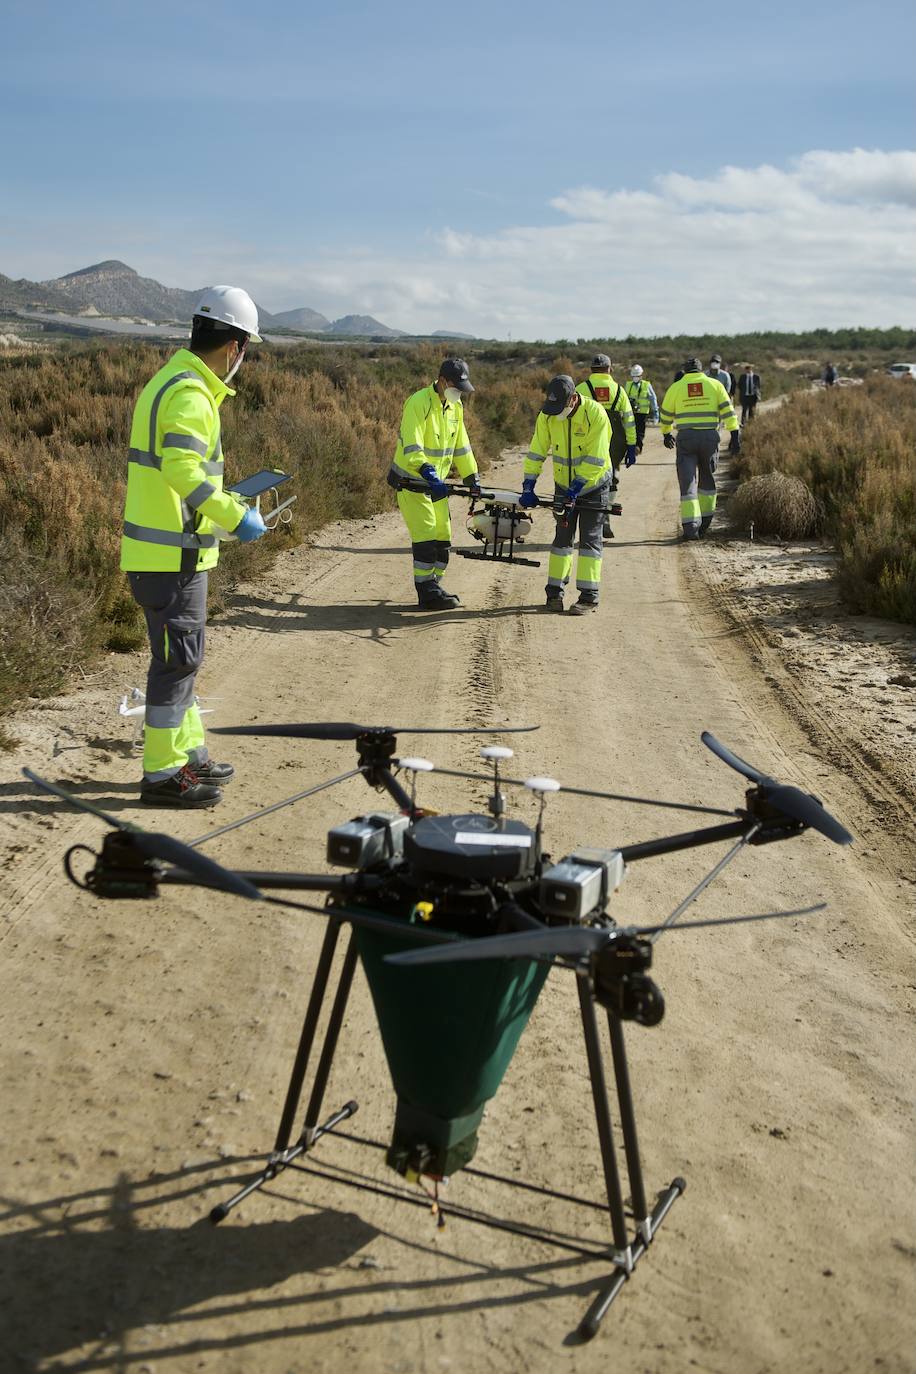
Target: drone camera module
[(367, 840), (581, 883)]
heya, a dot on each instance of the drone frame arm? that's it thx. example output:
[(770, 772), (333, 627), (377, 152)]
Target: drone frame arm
[(687, 839)]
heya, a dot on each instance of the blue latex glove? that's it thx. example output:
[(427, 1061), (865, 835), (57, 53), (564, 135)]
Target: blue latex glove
[(250, 527), (734, 443), (528, 498), (437, 488), (575, 490), (669, 441), (630, 458)]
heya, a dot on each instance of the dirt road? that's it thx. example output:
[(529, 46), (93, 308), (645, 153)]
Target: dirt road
[(145, 1046)]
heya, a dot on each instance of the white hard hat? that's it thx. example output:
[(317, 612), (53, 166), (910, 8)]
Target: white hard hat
[(636, 371), (230, 305)]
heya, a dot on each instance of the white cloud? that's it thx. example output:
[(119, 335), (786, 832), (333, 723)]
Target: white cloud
[(828, 240)]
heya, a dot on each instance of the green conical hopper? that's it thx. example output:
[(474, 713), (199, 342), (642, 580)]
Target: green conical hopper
[(449, 1034)]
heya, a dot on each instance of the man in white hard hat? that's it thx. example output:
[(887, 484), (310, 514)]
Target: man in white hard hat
[(643, 401), (174, 504)]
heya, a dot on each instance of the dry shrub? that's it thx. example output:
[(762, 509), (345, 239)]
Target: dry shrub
[(853, 448), (776, 505)]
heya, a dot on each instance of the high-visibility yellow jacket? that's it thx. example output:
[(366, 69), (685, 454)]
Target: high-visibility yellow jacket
[(431, 433), (579, 446), (642, 397), (175, 471), (612, 398), (696, 401)]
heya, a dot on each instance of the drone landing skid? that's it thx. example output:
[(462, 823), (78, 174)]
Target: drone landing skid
[(625, 1252), (497, 556)]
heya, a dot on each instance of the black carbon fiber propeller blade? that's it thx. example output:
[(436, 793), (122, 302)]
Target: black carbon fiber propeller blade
[(801, 806), (156, 846), (569, 942), (191, 861), (731, 759), (344, 729), (784, 797)]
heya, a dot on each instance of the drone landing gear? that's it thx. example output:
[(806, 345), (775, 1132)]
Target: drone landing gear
[(626, 1251)]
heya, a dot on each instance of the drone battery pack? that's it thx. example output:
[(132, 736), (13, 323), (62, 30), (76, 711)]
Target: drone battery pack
[(581, 883), (367, 840)]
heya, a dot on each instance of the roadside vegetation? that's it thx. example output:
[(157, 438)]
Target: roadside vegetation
[(840, 464), (326, 414)]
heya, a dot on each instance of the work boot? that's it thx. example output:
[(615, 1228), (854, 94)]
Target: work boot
[(705, 523), (435, 599), (554, 603), (217, 773), (688, 536), (606, 531), (182, 791), (588, 601)]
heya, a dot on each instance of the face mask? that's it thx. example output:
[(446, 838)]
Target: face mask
[(236, 365), (565, 414), (452, 394)]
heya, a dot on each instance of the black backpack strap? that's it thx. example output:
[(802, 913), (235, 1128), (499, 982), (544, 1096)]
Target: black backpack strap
[(588, 383)]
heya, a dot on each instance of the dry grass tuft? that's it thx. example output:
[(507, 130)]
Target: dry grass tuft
[(777, 505)]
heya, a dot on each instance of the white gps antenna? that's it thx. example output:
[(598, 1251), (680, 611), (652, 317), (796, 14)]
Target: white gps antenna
[(413, 767), (541, 787), (496, 754)]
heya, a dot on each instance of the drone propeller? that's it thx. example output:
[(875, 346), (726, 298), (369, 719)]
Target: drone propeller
[(345, 729), (791, 801), (157, 846), (569, 942)]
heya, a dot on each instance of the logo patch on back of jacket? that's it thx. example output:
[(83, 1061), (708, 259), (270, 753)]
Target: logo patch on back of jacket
[(602, 393), (694, 388)]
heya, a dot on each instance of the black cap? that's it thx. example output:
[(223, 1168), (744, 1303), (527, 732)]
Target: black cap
[(692, 365), (715, 358), (601, 360), (560, 391), (455, 372)]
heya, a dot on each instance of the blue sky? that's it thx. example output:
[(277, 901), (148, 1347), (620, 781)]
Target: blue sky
[(515, 169)]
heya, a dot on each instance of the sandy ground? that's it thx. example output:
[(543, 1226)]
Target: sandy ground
[(146, 1046)]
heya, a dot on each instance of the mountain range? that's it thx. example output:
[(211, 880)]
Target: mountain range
[(113, 290)]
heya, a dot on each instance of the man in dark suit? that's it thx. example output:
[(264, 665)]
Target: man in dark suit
[(748, 392)]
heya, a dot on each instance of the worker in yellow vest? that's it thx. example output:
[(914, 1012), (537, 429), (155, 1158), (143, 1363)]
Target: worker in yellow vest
[(431, 440), (574, 431), (174, 506), (642, 398), (696, 405)]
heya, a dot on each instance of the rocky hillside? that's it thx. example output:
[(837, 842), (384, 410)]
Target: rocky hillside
[(362, 324), (113, 288), (311, 321), (25, 295)]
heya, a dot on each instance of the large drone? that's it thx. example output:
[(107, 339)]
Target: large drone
[(457, 920)]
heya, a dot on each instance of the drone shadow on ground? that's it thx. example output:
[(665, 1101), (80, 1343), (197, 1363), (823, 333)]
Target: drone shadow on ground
[(374, 621), (107, 1278)]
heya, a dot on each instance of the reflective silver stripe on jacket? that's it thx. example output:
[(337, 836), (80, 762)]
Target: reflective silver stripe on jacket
[(590, 460), (200, 494), (185, 441), (145, 534), (154, 408), (144, 459), (411, 448), (697, 415), (533, 457), (213, 468), (460, 452)]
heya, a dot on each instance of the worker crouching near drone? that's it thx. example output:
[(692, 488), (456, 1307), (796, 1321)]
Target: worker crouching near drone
[(174, 500), (433, 439), (573, 429), (696, 405)]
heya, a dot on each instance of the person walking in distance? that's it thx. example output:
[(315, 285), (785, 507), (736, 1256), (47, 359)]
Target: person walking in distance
[(715, 369), (643, 402), (574, 430), (831, 376), (748, 392), (696, 406), (431, 440), (174, 505), (600, 385)]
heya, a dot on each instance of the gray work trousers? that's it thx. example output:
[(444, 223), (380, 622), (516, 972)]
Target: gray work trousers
[(697, 453), (586, 520), (175, 607)]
